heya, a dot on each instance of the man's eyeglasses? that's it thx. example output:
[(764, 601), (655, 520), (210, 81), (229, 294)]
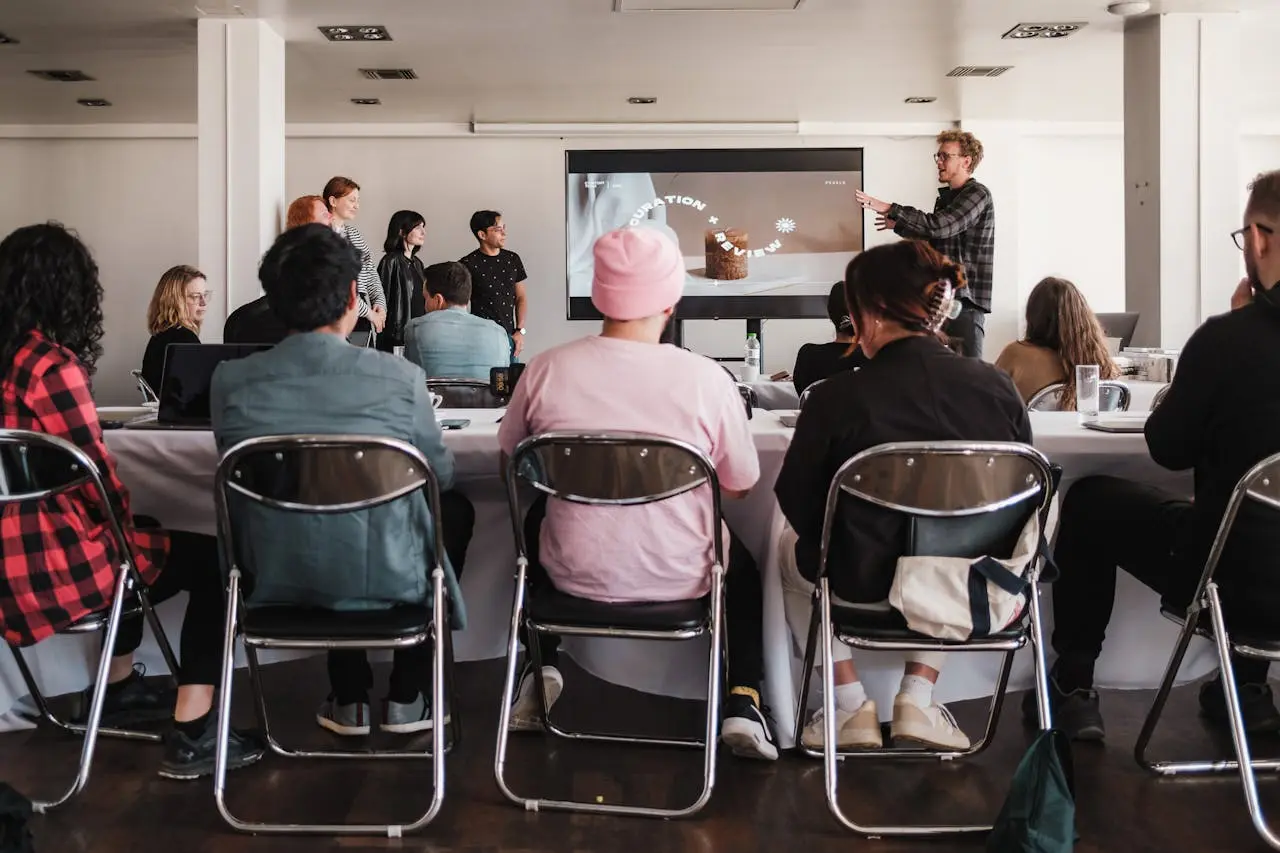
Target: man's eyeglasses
[(1238, 236), (200, 298), (943, 157)]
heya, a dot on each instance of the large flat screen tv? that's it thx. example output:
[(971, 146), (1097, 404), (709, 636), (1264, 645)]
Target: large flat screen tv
[(764, 232)]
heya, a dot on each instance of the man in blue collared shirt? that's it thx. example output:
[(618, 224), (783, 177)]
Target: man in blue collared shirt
[(449, 342), (315, 382)]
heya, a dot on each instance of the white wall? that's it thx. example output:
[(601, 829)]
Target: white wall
[(133, 202)]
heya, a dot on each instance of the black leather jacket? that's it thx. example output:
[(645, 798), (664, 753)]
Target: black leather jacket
[(402, 282)]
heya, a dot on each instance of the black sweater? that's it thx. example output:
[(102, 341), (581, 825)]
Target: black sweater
[(157, 347), (915, 389)]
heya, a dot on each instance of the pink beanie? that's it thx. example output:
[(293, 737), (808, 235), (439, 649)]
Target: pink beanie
[(639, 273)]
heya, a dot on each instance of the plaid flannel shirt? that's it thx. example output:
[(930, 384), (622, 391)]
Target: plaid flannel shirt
[(60, 561), (962, 227)]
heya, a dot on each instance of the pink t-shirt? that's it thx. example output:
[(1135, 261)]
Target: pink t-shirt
[(654, 552)]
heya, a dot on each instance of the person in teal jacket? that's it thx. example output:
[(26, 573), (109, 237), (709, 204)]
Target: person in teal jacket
[(314, 382)]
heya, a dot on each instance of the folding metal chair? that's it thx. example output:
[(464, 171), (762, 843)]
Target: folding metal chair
[(1113, 396), (35, 466), (807, 391), (959, 499), (328, 475), (1159, 397), (465, 394), (614, 470), (144, 387), (1262, 485)]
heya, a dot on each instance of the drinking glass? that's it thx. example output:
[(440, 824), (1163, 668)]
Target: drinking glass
[(1087, 392)]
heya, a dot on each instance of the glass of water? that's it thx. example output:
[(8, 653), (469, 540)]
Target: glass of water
[(1087, 392)]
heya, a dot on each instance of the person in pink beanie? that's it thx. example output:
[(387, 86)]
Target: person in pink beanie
[(624, 380)]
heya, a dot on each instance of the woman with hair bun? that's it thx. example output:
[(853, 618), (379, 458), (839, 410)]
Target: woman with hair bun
[(912, 388)]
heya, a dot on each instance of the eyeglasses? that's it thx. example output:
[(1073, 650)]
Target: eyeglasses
[(942, 156), (1237, 236), (201, 298)]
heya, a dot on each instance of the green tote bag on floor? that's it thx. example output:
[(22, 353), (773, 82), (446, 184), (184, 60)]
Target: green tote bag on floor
[(1039, 815)]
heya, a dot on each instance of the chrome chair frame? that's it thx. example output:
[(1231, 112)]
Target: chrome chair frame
[(712, 626), (149, 394), (444, 387), (1046, 399), (809, 390), (1262, 484), (107, 621), (1160, 394), (1040, 482), (423, 479)]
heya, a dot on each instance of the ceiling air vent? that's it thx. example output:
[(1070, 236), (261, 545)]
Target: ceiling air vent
[(978, 70), (60, 76), (389, 73)]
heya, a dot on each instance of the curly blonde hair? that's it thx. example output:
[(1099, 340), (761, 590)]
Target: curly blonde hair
[(969, 145), (168, 306)]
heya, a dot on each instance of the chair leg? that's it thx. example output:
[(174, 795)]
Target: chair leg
[(96, 701), (708, 743), (806, 672), (1149, 725), (445, 635), (1038, 650)]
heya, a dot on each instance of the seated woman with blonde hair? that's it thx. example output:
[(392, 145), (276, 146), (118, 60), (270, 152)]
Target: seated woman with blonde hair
[(174, 316), (1062, 332)]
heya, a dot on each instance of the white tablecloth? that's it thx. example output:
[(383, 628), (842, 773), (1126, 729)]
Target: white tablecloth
[(170, 474)]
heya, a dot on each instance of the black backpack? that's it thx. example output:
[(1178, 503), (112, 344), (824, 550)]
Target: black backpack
[(1039, 815)]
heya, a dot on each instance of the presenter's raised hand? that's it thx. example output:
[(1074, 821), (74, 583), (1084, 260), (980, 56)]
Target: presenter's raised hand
[(867, 202), (884, 223)]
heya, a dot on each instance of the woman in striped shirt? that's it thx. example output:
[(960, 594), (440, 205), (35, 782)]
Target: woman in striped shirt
[(342, 197)]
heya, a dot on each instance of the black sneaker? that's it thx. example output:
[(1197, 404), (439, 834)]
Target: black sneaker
[(130, 702), (188, 758), (1257, 707), (1077, 714), (747, 730)]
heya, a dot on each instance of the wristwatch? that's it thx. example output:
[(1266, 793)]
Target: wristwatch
[(522, 330)]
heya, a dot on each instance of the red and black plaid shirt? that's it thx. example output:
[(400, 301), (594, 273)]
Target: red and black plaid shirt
[(60, 561)]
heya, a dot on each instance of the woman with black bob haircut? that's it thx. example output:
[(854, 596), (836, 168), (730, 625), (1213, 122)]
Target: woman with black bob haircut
[(402, 275), (912, 388), (815, 362), (50, 333)]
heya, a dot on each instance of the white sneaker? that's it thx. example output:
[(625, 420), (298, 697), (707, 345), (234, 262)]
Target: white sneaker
[(525, 714), (931, 726), (858, 729)]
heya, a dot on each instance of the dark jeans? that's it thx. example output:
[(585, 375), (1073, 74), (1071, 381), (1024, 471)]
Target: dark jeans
[(968, 331), (743, 606), (350, 675), (1107, 523), (192, 566)]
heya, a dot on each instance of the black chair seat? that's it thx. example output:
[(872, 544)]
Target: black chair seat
[(318, 623), (555, 607), (892, 625), (1268, 645)]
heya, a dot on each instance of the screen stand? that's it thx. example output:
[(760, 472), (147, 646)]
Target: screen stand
[(674, 334)]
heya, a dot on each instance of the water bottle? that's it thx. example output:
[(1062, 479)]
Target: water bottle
[(751, 364)]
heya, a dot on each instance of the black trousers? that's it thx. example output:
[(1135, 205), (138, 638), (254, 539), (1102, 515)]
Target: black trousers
[(350, 675), (192, 567), (743, 605), (1107, 523), (968, 331)]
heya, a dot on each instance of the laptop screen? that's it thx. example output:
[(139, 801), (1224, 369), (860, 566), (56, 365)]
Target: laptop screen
[(187, 376)]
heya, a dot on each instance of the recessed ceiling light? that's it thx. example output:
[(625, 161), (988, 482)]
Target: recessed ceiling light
[(921, 99), (1043, 30), (4, 39), (356, 32), (642, 100), (94, 102), (366, 102), (61, 76)]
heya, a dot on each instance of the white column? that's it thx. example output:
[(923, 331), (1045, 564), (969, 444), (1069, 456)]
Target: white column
[(241, 157), (1182, 153)]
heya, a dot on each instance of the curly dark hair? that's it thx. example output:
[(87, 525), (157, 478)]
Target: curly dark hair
[(50, 283)]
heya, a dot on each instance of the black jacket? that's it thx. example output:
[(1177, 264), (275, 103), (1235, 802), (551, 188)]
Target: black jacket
[(158, 348), (253, 323), (401, 280), (915, 389)]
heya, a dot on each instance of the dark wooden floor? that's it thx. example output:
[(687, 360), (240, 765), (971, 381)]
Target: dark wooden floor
[(777, 807)]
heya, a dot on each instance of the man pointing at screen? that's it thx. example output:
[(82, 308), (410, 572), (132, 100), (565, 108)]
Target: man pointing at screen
[(962, 227)]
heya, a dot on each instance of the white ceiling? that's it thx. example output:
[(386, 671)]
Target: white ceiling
[(579, 60)]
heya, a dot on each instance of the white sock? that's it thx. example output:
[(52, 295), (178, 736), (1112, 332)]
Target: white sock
[(849, 697), (919, 688)]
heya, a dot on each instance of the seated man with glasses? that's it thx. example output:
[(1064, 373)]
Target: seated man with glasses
[(1220, 418), (624, 380), (315, 382)]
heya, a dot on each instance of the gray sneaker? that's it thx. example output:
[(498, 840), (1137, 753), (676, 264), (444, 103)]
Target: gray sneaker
[(348, 720), (406, 718)]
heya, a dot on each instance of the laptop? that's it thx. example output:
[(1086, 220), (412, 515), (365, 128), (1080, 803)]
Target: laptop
[(185, 384), (1121, 325), (1119, 422)]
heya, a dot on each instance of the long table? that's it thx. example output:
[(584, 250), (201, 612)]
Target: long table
[(170, 475)]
